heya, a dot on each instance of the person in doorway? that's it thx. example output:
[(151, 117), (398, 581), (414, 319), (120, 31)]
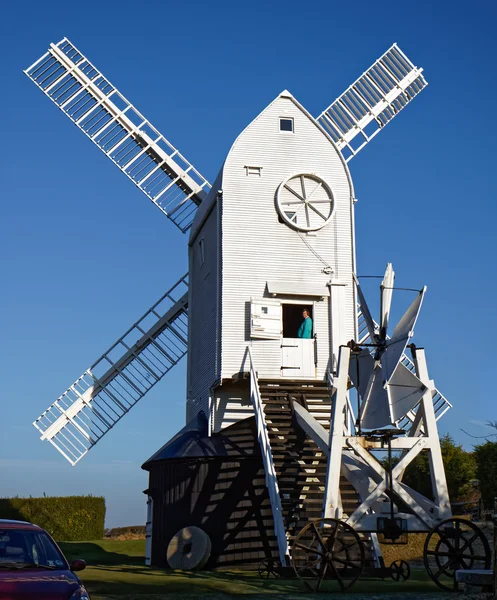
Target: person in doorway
[(305, 329)]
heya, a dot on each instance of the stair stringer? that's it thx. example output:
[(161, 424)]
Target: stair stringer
[(300, 463)]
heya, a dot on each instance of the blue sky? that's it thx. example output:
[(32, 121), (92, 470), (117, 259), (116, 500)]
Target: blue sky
[(84, 253)]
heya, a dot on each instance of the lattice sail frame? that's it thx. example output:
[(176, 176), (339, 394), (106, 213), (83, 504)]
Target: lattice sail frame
[(139, 359), (372, 101), (124, 135)]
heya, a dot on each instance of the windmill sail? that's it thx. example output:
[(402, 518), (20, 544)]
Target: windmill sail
[(372, 101), (120, 131), (440, 403), (117, 380), (386, 293)]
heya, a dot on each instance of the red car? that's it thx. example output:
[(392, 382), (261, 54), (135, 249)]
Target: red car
[(33, 567)]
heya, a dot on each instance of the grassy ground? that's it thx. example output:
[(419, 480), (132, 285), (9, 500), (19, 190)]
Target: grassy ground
[(116, 570)]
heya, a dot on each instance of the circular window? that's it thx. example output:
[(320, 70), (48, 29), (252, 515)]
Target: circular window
[(305, 202)]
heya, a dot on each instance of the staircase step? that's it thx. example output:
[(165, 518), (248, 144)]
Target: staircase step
[(300, 465)]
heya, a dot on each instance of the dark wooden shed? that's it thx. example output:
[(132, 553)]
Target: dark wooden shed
[(216, 483)]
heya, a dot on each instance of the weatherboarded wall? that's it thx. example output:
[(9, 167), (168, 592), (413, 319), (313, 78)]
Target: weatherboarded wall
[(257, 248), (245, 246), (203, 321), (226, 496)]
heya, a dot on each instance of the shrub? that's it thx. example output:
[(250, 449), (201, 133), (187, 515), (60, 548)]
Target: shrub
[(130, 531), (67, 518), (486, 471)]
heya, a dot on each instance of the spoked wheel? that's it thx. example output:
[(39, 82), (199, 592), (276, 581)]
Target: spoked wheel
[(328, 549), (268, 569), (452, 545), (400, 570)]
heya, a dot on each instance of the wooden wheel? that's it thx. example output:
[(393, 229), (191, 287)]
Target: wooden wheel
[(327, 549), (400, 570), (452, 545), (305, 202), (268, 569)]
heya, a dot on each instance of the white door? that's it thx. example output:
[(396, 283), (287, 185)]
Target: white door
[(297, 358)]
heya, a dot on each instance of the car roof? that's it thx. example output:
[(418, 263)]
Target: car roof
[(12, 524)]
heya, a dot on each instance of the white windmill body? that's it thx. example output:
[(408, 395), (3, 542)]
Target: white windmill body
[(249, 267), (274, 235)]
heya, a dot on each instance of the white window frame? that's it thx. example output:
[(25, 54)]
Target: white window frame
[(286, 119), (305, 303)]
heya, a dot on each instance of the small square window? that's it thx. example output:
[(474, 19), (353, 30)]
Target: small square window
[(264, 310), (286, 124)]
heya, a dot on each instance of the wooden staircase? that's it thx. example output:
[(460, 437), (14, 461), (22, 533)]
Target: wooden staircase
[(300, 465)]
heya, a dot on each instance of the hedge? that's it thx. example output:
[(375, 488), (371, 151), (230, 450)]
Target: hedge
[(129, 530), (66, 518)]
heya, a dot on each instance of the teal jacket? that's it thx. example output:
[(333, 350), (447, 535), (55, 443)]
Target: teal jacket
[(305, 330)]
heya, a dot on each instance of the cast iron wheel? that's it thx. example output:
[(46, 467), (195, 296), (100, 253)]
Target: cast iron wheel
[(452, 545), (267, 569), (440, 559), (400, 570), (328, 549)]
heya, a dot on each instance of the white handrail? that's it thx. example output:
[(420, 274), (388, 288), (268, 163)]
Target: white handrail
[(267, 459)]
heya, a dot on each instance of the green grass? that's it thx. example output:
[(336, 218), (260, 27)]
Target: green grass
[(116, 570)]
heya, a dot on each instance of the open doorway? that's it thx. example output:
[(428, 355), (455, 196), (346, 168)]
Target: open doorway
[(292, 318)]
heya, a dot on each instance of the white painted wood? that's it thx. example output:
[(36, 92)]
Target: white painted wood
[(120, 131), (372, 101), (267, 459), (269, 250), (262, 259), (113, 384), (203, 316), (386, 293), (231, 404), (437, 471), (312, 427), (338, 332), (297, 358), (265, 319), (243, 246), (296, 286), (332, 500), (149, 530)]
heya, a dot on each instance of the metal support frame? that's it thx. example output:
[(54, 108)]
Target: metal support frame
[(267, 459)]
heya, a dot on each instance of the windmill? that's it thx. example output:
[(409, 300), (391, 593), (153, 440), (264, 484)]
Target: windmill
[(286, 179)]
